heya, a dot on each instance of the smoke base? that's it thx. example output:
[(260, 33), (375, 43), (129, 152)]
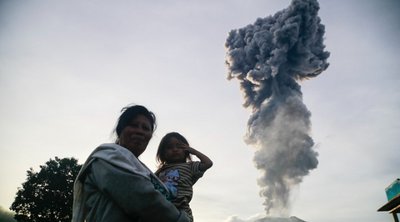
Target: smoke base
[(265, 219)]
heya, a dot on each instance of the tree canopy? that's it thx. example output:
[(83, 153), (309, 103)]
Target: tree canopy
[(47, 195)]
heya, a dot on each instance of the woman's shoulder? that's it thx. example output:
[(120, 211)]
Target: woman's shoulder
[(120, 157)]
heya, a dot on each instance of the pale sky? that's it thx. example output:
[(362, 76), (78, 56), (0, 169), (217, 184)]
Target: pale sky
[(68, 67)]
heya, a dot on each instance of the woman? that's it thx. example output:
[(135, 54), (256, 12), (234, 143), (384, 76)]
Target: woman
[(113, 185)]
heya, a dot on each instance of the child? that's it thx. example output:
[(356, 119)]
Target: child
[(177, 170)]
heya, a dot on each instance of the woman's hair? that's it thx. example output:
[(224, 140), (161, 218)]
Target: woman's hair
[(160, 157), (131, 112)]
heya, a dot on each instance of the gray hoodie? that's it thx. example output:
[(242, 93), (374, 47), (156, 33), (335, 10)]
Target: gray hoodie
[(113, 185)]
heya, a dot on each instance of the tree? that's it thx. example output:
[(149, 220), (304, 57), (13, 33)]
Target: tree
[(47, 195)]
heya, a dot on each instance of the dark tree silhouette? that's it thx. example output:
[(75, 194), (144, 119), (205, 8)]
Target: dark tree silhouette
[(46, 196)]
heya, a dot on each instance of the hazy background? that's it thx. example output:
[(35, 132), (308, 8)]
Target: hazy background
[(68, 67)]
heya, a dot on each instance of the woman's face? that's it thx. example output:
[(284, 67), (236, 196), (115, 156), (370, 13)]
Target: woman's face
[(136, 135)]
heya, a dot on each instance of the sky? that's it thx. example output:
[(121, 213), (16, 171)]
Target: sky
[(68, 67)]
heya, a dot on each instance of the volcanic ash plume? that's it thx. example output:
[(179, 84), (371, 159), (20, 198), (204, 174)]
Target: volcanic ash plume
[(268, 58)]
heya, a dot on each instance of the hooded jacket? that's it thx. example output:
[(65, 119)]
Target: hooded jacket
[(113, 185)]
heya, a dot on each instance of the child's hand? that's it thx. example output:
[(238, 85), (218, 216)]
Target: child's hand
[(190, 150), (205, 162), (186, 148)]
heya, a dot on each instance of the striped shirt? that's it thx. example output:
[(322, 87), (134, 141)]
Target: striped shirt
[(179, 178)]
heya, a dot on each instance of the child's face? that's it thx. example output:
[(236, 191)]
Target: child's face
[(175, 151)]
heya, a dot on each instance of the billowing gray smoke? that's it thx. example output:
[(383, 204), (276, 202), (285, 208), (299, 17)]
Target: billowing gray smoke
[(268, 58)]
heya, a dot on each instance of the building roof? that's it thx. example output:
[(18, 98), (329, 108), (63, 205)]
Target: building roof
[(393, 206)]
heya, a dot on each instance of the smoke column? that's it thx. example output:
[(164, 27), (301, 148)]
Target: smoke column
[(269, 58)]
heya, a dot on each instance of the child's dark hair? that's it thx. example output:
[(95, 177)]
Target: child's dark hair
[(160, 157), (131, 112)]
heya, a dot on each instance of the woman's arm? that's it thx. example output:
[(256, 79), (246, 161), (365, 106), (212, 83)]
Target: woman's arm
[(134, 194)]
